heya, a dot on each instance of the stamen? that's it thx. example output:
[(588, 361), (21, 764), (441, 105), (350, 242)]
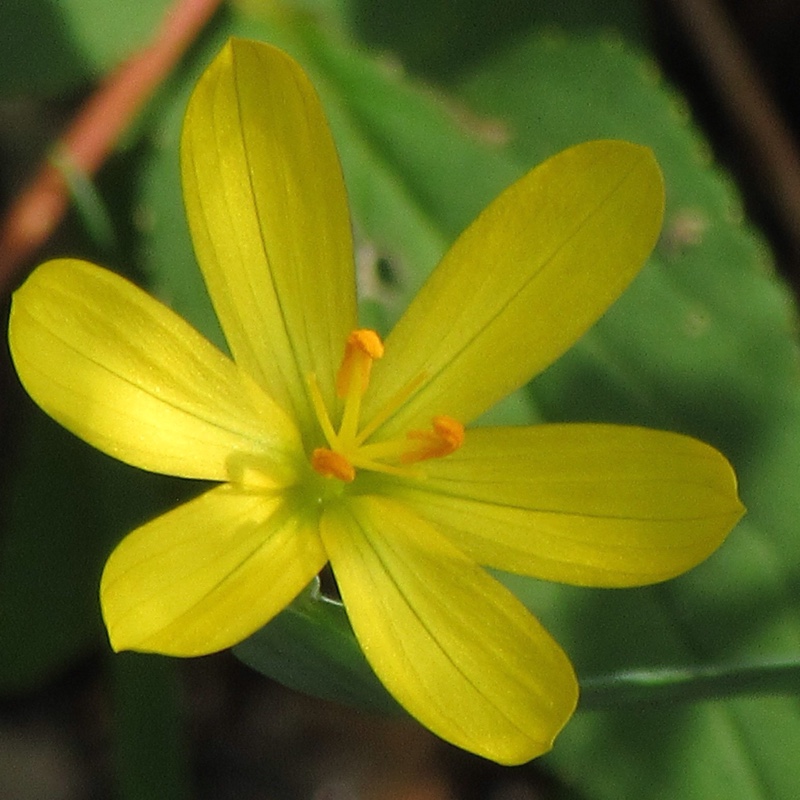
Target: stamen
[(409, 471), (321, 410), (445, 438), (363, 346), (394, 403), (331, 464), (349, 448)]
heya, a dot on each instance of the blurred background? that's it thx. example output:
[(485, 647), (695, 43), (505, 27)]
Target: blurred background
[(435, 107)]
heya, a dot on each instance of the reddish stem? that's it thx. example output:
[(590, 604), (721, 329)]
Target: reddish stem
[(93, 133)]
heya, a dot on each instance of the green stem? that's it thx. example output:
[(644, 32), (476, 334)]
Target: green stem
[(150, 751), (671, 685), (88, 204)]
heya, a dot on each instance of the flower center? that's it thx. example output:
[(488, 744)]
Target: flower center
[(349, 447)]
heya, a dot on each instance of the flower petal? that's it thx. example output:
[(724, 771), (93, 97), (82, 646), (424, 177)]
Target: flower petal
[(593, 505), (129, 376), (208, 574), (453, 646), (268, 212), (525, 280)]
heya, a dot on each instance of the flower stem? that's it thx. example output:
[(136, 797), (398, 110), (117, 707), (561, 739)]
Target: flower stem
[(93, 133), (689, 684), (150, 753)]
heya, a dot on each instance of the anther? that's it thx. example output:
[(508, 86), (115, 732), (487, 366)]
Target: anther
[(331, 464), (363, 346), (446, 436)]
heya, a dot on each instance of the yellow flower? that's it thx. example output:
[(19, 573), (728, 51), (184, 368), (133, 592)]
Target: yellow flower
[(330, 446)]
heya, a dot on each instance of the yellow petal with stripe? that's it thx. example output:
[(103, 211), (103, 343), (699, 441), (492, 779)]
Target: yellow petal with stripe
[(523, 282), (130, 377), (452, 645), (267, 209), (208, 574), (594, 505)]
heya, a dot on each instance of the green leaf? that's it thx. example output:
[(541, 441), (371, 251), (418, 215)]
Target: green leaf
[(702, 343), (440, 39), (310, 647), (64, 507), (54, 47)]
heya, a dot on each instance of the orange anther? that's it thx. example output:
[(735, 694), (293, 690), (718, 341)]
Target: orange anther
[(363, 346), (446, 436), (331, 464), (449, 431)]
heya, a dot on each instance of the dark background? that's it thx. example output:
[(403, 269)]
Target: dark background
[(249, 738)]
